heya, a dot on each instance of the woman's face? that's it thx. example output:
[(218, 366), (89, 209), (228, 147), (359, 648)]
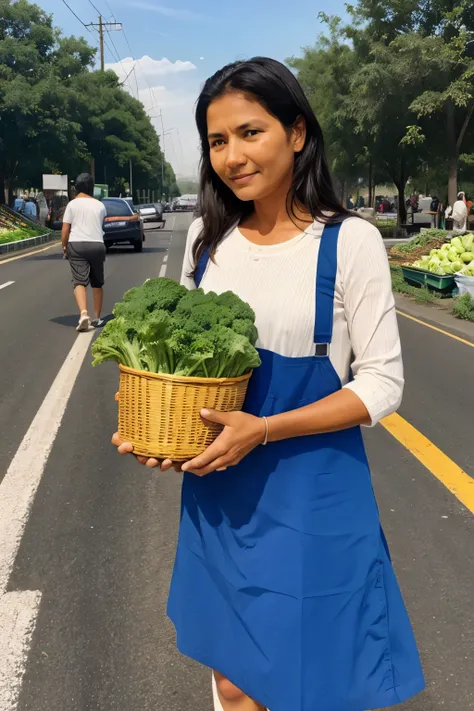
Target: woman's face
[(250, 150)]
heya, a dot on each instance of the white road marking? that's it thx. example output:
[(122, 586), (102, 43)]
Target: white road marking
[(163, 269), (18, 610), (165, 259), (7, 283)]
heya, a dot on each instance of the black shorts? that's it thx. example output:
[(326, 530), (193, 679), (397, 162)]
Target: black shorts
[(87, 263)]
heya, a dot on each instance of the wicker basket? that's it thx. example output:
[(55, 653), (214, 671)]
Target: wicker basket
[(159, 414)]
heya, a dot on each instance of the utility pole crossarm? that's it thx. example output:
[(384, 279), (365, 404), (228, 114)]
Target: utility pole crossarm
[(101, 26)]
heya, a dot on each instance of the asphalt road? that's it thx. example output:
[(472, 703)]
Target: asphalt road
[(98, 542)]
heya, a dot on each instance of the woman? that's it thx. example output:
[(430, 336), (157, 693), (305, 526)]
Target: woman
[(460, 213), (82, 239), (283, 583)]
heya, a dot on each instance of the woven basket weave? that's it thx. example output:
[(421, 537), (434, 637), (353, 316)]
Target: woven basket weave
[(160, 414)]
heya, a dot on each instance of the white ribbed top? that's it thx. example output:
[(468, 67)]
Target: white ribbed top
[(278, 281)]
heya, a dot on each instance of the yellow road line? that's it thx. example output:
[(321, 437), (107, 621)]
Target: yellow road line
[(28, 254), (435, 328), (437, 462)]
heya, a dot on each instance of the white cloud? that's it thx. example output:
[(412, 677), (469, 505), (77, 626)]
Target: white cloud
[(172, 88), (147, 68), (166, 11)]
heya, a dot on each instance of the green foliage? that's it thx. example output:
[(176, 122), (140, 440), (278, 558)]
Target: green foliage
[(56, 115), (464, 307), (421, 240), (396, 85), (162, 327), (18, 235)]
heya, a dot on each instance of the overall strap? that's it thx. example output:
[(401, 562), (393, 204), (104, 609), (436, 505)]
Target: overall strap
[(325, 281), (201, 267)]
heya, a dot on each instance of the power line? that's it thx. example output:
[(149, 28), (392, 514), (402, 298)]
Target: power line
[(95, 8), (152, 93), (109, 9), (79, 19)]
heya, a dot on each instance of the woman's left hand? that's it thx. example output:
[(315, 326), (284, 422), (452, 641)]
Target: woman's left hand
[(242, 433)]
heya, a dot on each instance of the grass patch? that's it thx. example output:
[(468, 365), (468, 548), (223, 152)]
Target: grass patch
[(421, 294), (386, 223), (464, 308), (18, 235)]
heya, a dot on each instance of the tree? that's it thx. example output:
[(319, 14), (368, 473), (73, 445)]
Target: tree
[(59, 116), (428, 46), (34, 115), (324, 71)]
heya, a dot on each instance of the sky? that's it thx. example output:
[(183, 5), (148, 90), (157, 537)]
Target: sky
[(169, 47)]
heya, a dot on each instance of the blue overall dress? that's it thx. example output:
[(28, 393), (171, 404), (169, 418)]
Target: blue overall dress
[(282, 579)]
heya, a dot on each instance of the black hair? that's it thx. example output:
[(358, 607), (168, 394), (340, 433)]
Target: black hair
[(85, 184), (276, 88)]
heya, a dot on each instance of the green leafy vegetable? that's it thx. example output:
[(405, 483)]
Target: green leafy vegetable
[(162, 327)]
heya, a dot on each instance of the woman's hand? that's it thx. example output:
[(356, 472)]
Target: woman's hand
[(241, 434), (151, 462)]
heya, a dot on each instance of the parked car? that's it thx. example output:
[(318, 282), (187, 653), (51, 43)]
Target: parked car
[(151, 212), (186, 203), (129, 200), (122, 224)]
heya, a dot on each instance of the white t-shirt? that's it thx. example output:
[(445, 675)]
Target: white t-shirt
[(278, 282), (86, 217)]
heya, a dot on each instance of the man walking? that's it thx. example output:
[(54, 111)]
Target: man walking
[(82, 239)]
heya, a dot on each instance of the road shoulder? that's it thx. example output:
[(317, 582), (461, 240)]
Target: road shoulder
[(435, 315)]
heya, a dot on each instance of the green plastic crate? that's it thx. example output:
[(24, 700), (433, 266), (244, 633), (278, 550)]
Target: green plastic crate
[(444, 284)]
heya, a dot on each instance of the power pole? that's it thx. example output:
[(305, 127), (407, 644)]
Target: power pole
[(101, 40), (101, 26)]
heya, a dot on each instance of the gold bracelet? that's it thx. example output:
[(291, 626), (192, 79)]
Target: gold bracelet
[(265, 441)]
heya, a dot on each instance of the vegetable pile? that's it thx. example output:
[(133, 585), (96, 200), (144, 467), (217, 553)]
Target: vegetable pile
[(454, 257), (162, 327)]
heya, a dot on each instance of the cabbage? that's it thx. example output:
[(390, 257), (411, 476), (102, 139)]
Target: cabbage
[(467, 257), (447, 267), (446, 247), (457, 244), (434, 253), (457, 266), (468, 242), (436, 269), (435, 260), (453, 256)]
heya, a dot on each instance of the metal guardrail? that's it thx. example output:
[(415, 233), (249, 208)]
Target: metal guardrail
[(28, 243)]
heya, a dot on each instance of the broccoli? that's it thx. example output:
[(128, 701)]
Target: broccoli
[(245, 328), (192, 353), (154, 334), (240, 309), (163, 293), (164, 328), (233, 354), (114, 344)]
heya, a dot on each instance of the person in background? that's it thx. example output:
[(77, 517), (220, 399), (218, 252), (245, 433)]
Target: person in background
[(30, 209), (350, 203), (82, 239), (460, 213), (469, 205)]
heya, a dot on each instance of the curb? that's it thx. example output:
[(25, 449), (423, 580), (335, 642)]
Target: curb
[(436, 315), (29, 243)]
